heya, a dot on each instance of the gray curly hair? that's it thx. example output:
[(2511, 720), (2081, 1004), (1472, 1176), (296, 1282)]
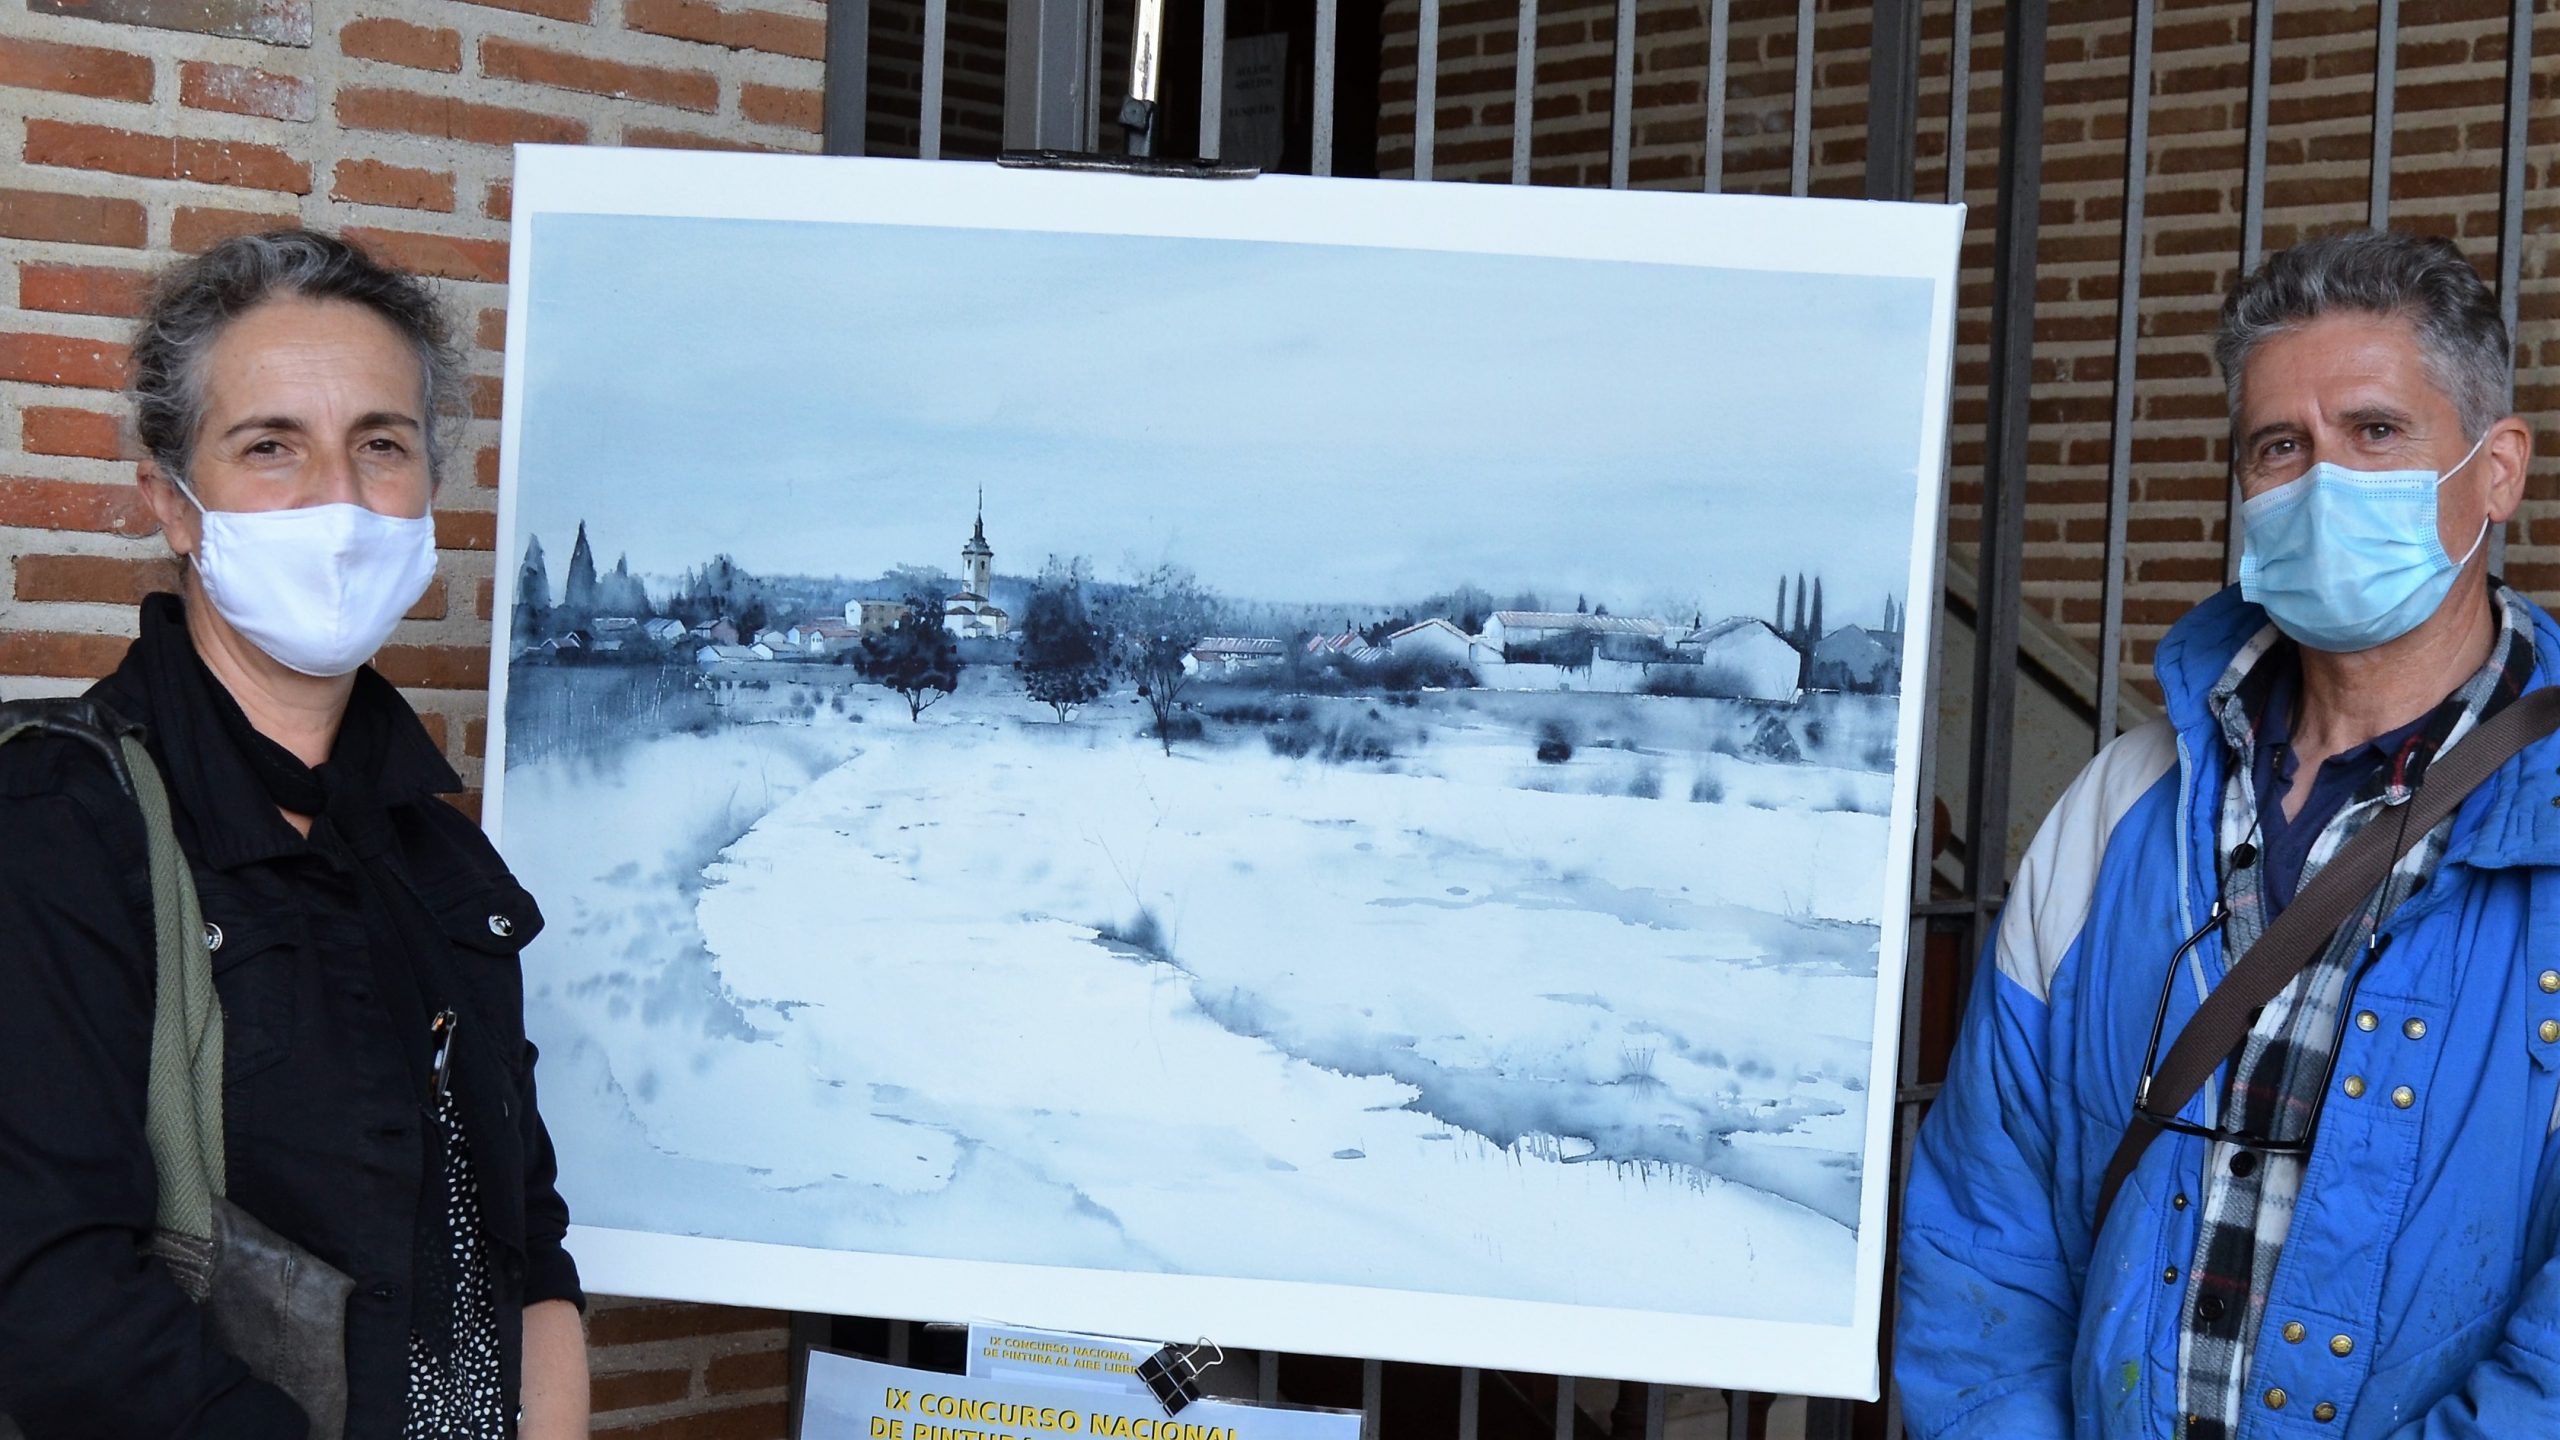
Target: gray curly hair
[(2421, 279), (196, 299)]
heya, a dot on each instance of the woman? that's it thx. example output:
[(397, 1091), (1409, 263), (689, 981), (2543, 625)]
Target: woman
[(379, 1099)]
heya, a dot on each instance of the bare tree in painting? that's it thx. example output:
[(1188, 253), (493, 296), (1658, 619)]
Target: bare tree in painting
[(1062, 664), (1153, 623), (916, 657)]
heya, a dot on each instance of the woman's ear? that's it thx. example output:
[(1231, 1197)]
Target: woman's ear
[(179, 525)]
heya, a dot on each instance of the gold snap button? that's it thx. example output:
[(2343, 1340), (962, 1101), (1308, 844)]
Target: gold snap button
[(2324, 1412), (2169, 1276), (2354, 1087), (2341, 1346), (2415, 1029), (2550, 1031), (2366, 1020), (2551, 982), (2293, 1332), (2404, 1097), (2275, 1398)]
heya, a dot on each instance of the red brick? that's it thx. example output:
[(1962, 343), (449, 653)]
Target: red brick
[(76, 657), (796, 109), (466, 530), (94, 579), (62, 360), (631, 1324), (162, 157), (397, 42), (74, 69), (492, 332), (70, 430), (754, 1370), (72, 219), (505, 59), (658, 137), (634, 1389), (372, 182), (433, 605), (484, 469), (475, 733), (407, 113), (742, 29), (468, 802), (434, 667), (199, 228), (447, 257), (240, 90), (433, 722), (577, 12), (484, 605), (270, 22), (27, 503), (763, 1421), (81, 289), (499, 203)]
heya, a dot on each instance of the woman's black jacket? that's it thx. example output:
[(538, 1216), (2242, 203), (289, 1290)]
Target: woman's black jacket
[(325, 1098)]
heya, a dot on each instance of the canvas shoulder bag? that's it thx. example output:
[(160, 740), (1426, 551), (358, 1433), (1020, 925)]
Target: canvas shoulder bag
[(279, 1308), (2301, 933)]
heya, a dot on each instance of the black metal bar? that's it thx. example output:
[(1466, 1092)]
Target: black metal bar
[(1800, 177), (1426, 88), (844, 101), (1959, 102), (2137, 172), (2386, 104), (2004, 482), (1048, 82), (1622, 97), (1893, 99), (2253, 217), (1328, 46), (1524, 92), (1719, 48), (806, 1330)]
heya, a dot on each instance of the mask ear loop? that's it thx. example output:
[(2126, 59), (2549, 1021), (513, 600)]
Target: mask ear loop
[(2442, 480)]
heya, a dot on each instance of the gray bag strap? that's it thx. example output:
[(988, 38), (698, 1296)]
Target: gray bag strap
[(2301, 934), (182, 1118)]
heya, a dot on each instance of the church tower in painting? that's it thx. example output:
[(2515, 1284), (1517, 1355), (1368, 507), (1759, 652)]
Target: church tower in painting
[(972, 614)]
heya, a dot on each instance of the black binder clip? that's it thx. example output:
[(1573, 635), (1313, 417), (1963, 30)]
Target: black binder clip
[(1174, 1372)]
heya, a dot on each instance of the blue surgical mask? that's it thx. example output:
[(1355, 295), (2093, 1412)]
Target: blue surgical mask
[(2345, 560)]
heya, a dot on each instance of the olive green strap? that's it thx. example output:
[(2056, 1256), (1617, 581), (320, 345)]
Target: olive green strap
[(183, 1119)]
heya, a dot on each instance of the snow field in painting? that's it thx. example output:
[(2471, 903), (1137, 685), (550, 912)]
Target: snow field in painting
[(1442, 1017)]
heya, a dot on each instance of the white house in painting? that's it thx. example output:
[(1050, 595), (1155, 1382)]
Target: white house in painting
[(710, 655), (664, 630), (1858, 659), (970, 615), (1511, 632), (1749, 660), (874, 617), (1433, 639), (1228, 654)]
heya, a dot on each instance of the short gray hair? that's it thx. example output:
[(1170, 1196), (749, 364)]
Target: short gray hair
[(197, 299), (2421, 279)]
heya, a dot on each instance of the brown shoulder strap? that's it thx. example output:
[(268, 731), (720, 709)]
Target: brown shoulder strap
[(2302, 932)]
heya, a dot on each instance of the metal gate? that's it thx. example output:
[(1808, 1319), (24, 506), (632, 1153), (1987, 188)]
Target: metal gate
[(890, 78)]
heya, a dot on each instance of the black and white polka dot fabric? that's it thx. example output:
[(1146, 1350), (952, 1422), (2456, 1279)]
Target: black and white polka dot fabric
[(459, 1396)]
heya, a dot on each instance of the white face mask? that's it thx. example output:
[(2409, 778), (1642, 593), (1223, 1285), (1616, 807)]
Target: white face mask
[(318, 588)]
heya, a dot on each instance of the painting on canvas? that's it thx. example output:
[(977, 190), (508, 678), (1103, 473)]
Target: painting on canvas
[(1324, 764)]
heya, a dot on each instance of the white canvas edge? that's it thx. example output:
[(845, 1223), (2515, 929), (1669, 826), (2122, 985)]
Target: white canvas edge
[(1662, 1346)]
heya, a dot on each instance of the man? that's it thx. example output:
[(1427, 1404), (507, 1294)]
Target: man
[(2362, 1244)]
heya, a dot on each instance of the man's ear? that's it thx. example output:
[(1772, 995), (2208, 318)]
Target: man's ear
[(2508, 452), (179, 525)]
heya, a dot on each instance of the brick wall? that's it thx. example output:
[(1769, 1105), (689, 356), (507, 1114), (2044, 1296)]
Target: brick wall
[(2446, 159), (132, 131)]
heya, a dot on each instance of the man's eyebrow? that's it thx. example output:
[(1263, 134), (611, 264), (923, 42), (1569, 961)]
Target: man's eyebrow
[(2376, 415)]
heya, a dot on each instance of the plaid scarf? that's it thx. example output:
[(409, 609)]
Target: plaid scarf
[(2247, 1205)]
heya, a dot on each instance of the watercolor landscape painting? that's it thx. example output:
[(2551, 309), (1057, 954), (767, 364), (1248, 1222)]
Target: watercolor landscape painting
[(1218, 774)]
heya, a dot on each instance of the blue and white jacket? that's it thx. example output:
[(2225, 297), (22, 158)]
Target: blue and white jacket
[(2418, 1295)]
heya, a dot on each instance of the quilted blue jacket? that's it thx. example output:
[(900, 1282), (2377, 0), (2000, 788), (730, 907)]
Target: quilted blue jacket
[(2418, 1295)]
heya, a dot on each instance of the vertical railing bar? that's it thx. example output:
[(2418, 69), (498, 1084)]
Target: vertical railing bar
[(902, 1341), (2386, 104), (2137, 175), (1622, 97), (1657, 1405), (1800, 177), (2253, 217), (2511, 204), (846, 83), (1893, 101), (1470, 1402), (1566, 1411), (1213, 77), (1959, 103), (937, 26), (1267, 1378), (2004, 485), (1737, 1415), (1426, 88), (1373, 1386), (1524, 92), (1328, 31), (1719, 45), (1095, 91)]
